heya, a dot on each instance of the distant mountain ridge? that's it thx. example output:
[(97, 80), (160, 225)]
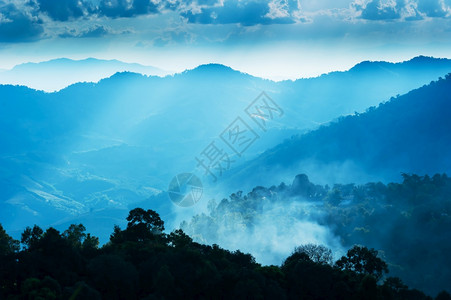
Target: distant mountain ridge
[(417, 62), (64, 71), (57, 74)]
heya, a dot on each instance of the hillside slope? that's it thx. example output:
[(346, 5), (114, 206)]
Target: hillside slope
[(106, 146), (410, 133)]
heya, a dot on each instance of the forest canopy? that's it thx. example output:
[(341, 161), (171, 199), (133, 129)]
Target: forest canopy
[(408, 222), (141, 261)]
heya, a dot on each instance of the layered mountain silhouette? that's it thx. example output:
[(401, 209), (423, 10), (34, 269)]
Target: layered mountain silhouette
[(407, 134), (57, 74), (97, 147)]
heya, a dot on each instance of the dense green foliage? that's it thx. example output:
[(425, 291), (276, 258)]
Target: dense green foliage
[(408, 222), (142, 262)]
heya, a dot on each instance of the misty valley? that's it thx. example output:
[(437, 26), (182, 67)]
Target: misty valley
[(216, 184)]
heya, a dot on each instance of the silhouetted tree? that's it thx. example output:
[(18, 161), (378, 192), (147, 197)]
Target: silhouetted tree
[(8, 245), (142, 225), (149, 218), (317, 253), (178, 238), (443, 295), (31, 236), (395, 284), (75, 235), (8, 265), (362, 260), (141, 262)]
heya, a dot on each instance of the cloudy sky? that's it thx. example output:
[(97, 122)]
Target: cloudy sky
[(274, 39)]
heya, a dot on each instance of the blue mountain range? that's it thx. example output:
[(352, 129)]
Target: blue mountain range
[(92, 151)]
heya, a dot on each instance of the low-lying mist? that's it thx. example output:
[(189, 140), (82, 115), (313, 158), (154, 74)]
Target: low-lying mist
[(269, 231), (404, 221)]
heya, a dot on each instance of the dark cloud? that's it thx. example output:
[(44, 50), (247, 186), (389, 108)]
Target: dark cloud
[(432, 8), (22, 20), (375, 10), (207, 2), (127, 9), (17, 25), (63, 10), (247, 13)]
